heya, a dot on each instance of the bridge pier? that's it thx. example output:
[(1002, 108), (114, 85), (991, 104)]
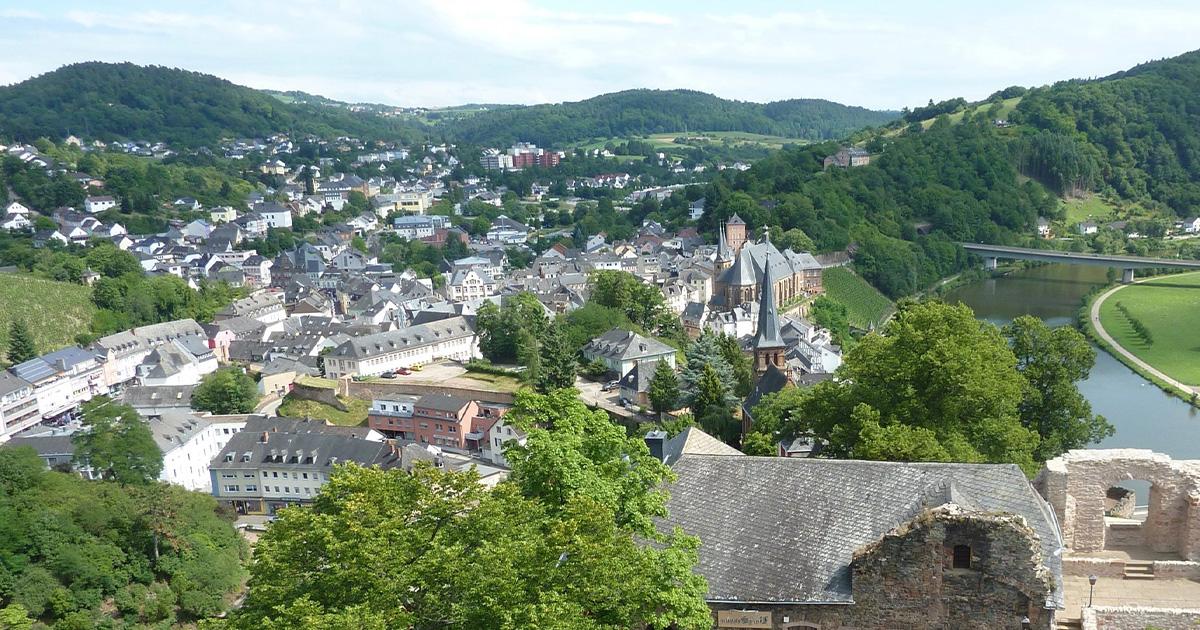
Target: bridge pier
[(1127, 275), (990, 263)]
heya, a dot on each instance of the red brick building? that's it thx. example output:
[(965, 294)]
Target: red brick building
[(442, 420)]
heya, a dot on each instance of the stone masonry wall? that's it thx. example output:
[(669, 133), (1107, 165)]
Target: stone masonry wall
[(906, 580), (1075, 484), (1110, 618)]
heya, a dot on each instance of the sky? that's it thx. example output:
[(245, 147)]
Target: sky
[(874, 53)]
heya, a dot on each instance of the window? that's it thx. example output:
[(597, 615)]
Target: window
[(231, 488), (251, 488), (264, 473), (275, 474), (287, 489), (305, 475), (248, 475), (962, 557), (228, 476)]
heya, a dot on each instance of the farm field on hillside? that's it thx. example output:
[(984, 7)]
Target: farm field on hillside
[(1169, 307), (55, 311), (866, 304)]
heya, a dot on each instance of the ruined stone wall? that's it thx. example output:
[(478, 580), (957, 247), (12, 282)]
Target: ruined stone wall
[(370, 390), (906, 580), (1076, 484), (1113, 618), (322, 395)]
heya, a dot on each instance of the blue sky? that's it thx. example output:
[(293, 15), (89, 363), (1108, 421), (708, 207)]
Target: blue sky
[(443, 52)]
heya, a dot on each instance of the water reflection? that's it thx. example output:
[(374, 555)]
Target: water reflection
[(1144, 415)]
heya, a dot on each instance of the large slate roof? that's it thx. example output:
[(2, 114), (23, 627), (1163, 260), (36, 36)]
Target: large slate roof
[(778, 529)]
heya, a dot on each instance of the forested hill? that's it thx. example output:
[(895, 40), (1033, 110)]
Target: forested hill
[(1134, 135), (127, 101), (636, 112), (1137, 132)]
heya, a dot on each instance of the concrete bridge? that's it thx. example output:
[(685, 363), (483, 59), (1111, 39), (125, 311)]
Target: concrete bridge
[(993, 253)]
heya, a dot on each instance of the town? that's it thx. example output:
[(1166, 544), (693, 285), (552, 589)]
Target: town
[(461, 352)]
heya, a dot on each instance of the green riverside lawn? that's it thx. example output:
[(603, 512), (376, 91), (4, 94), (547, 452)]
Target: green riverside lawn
[(1170, 308)]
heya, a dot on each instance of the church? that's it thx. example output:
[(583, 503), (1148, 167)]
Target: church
[(742, 265)]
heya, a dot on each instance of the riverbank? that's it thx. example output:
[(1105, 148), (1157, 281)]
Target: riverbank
[(1092, 324)]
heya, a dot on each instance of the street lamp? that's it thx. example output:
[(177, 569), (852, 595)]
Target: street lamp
[(1091, 589)]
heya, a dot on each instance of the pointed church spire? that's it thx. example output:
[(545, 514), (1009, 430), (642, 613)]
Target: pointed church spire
[(768, 334), (723, 251)]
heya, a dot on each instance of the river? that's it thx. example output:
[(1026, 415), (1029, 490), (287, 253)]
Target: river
[(1144, 416)]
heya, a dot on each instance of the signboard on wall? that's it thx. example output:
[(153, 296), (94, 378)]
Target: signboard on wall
[(743, 619)]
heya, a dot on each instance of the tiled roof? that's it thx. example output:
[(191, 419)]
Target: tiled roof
[(779, 529)]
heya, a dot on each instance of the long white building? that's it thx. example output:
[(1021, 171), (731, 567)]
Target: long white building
[(369, 355)]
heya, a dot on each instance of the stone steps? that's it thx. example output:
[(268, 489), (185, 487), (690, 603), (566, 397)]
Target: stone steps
[(1139, 570), (1068, 624)]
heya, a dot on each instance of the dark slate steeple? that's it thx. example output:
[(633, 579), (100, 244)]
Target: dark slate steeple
[(768, 335)]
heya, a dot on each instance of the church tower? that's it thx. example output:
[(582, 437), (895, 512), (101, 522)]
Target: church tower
[(735, 233), (768, 340), (724, 254)]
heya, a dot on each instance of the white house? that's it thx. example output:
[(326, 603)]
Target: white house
[(124, 351), (471, 284), (92, 205), (222, 214), (413, 227), (508, 231), (183, 361), (275, 215), (18, 405), (189, 441), (1088, 227), (1191, 225)]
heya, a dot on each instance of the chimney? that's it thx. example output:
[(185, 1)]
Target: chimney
[(264, 437), (657, 442)]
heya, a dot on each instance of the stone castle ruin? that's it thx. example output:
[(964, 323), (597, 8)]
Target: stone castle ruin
[(1095, 515)]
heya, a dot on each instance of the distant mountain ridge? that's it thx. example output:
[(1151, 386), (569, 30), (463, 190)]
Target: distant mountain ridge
[(638, 112), (128, 101)]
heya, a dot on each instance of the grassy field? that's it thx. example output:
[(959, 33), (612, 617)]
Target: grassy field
[(866, 304), (54, 311), (356, 416), (1170, 308), (498, 382), (667, 141), (1006, 108), (1091, 207)]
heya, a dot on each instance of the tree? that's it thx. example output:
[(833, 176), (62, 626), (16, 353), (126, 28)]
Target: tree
[(226, 391), (664, 388), (117, 443), (936, 372), (21, 347), (710, 394), (705, 352), (505, 332), (743, 376), (559, 545), (832, 315), (558, 364), (1053, 361), (15, 617)]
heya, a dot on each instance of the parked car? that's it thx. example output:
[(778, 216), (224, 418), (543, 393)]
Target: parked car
[(609, 386), (415, 368), (388, 375), (403, 371)]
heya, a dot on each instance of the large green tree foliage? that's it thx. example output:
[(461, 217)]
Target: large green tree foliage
[(664, 388), (643, 303), (21, 346), (558, 363), (834, 316), (80, 554), (505, 332), (116, 443), (1053, 361), (228, 390), (707, 378), (939, 384), (560, 545)]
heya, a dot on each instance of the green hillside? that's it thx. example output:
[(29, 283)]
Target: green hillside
[(866, 304), (646, 112), (127, 101), (54, 311), (949, 173)]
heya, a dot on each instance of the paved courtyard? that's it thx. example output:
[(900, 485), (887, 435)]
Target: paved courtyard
[(1121, 592)]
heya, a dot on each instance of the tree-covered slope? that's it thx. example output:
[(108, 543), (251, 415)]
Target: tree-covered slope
[(127, 101), (1142, 126), (963, 177), (635, 112)]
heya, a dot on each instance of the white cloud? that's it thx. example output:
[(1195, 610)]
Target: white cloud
[(439, 52)]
